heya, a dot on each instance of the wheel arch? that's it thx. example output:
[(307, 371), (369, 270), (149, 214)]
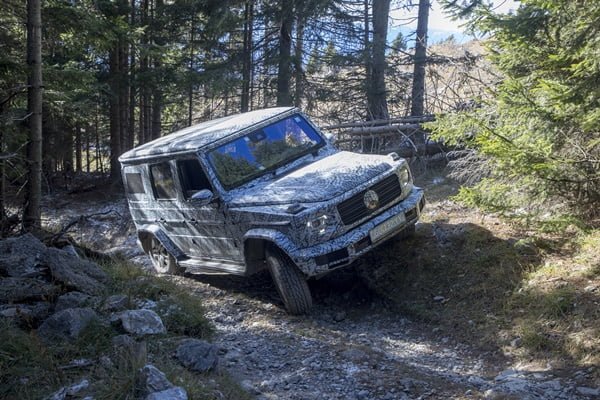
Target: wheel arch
[(257, 241), (147, 232)]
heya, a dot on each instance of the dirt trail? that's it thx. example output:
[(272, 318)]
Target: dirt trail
[(352, 346)]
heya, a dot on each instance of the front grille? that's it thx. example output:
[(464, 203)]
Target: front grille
[(354, 208)]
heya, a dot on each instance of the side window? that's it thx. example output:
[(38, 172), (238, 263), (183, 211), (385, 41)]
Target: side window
[(192, 176), (162, 181), (134, 184)]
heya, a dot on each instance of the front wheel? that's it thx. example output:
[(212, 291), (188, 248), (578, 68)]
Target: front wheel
[(162, 261), (290, 282)]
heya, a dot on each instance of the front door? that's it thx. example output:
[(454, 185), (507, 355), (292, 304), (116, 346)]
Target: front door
[(207, 234)]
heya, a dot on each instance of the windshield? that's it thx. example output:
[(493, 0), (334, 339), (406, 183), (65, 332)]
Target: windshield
[(250, 156)]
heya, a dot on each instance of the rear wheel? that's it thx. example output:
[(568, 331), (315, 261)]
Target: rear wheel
[(289, 281), (162, 261)]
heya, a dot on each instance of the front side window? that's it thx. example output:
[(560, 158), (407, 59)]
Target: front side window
[(162, 181), (266, 149), (192, 176)]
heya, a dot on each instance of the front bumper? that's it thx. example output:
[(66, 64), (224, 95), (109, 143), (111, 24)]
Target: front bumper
[(341, 251)]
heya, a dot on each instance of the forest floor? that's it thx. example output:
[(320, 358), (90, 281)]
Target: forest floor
[(470, 307)]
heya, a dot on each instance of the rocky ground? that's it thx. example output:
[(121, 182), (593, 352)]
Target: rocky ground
[(352, 346)]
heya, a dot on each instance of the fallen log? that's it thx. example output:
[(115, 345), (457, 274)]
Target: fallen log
[(428, 149)]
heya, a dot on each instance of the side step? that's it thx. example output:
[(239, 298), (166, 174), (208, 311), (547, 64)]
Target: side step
[(212, 266)]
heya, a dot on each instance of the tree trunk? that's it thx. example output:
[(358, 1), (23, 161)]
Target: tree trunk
[(247, 55), (31, 213), (285, 49), (378, 97), (420, 60), (78, 144), (299, 71), (191, 73), (114, 112), (131, 86)]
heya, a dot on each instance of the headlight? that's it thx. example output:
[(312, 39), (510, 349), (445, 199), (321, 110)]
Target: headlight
[(404, 176), (318, 224)]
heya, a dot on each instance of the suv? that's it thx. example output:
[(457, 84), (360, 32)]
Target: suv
[(264, 189)]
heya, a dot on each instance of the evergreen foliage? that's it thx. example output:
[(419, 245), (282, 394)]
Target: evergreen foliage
[(539, 133)]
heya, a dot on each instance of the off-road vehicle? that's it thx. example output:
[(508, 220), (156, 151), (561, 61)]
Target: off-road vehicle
[(264, 189)]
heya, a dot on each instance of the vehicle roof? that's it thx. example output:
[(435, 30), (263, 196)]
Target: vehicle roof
[(202, 134)]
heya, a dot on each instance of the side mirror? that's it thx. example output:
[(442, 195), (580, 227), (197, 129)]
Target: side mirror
[(331, 138), (203, 197)]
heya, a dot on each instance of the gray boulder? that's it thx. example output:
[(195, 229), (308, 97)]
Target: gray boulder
[(21, 257), (75, 273), (26, 314), (16, 290), (140, 322), (74, 300), (176, 393), (151, 380), (67, 324), (117, 302), (68, 392), (197, 355)]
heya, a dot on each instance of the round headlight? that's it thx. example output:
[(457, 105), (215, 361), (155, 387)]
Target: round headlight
[(404, 176)]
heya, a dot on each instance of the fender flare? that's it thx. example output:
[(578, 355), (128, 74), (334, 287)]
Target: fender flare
[(162, 237), (254, 258)]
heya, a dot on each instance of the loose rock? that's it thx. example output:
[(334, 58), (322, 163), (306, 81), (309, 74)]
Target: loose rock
[(151, 380), (73, 300), (67, 324), (176, 393), (140, 322), (197, 355)]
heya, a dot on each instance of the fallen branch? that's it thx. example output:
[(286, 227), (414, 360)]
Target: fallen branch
[(77, 220)]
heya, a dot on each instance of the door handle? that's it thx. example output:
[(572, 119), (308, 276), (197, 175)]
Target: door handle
[(161, 220)]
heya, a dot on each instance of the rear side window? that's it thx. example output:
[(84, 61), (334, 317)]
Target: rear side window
[(192, 176), (162, 181), (134, 184)]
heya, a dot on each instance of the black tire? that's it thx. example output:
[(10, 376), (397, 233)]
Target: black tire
[(289, 281), (162, 261)]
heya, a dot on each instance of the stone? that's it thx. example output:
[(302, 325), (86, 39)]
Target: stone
[(69, 392), (439, 299), (588, 391), (339, 317), (26, 314), (75, 273), (117, 302), (20, 257), (140, 322), (73, 300), (151, 380), (67, 324), (197, 355), (17, 290), (176, 393)]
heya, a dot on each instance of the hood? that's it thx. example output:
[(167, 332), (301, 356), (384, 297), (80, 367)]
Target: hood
[(319, 181)]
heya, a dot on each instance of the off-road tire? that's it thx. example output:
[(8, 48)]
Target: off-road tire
[(289, 281), (162, 261)]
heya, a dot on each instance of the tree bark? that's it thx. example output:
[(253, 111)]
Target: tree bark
[(420, 60), (114, 112), (247, 55), (78, 144), (378, 97), (285, 49), (298, 70), (31, 212)]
